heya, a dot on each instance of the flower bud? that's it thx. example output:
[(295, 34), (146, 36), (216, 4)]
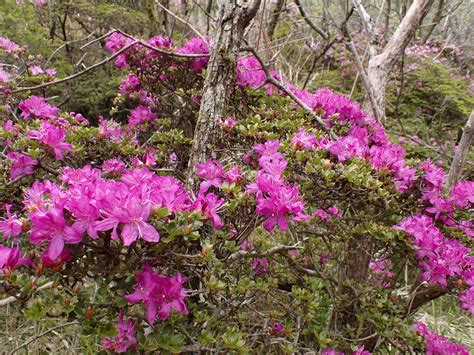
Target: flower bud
[(327, 164), (89, 313)]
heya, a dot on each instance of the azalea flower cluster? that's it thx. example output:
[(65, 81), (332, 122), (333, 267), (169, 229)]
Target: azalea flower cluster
[(438, 344), (276, 199), (125, 339), (160, 294), (439, 257)]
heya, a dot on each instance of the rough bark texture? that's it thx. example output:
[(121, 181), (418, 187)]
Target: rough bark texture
[(274, 17), (380, 65), (354, 271), (461, 153), (233, 17)]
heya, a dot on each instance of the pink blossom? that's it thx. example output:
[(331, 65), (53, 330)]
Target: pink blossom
[(304, 139), (197, 46), (10, 258), (62, 258), (21, 164), (36, 70), (114, 166), (438, 344), (52, 136), (51, 226), (4, 76), (160, 294), (211, 172), (467, 300), (140, 115), (37, 106), (11, 226), (125, 339), (209, 205), (9, 46), (51, 72), (260, 266)]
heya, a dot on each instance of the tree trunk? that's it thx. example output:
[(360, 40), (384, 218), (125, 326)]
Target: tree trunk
[(233, 18), (461, 153), (354, 271), (382, 64), (274, 17)]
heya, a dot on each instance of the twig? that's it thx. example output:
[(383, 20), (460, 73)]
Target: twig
[(309, 22), (67, 43), (271, 80), (32, 339), (185, 22), (12, 299)]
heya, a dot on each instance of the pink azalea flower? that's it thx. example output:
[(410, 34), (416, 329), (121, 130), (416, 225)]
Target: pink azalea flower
[(51, 226), (467, 300), (9, 46), (133, 214), (4, 76), (209, 206), (36, 70), (211, 172), (11, 226), (260, 266), (304, 139), (197, 46), (140, 115), (114, 166), (37, 106), (53, 137), (438, 344), (22, 164), (10, 258), (160, 294), (64, 257), (125, 339)]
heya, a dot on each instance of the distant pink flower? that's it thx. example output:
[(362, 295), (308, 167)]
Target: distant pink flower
[(51, 72), (21, 164), (125, 339), (114, 166), (321, 214), (335, 211), (9, 46), (228, 123), (53, 137), (160, 294), (233, 175), (278, 329), (36, 70), (141, 114), (37, 107), (11, 226), (4, 76), (467, 300), (260, 266)]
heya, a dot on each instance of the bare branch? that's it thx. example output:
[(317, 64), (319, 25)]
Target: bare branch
[(270, 79), (309, 21), (461, 153)]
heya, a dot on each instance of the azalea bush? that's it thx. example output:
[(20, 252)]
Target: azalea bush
[(292, 240)]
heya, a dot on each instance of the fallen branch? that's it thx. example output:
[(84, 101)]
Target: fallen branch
[(36, 337), (12, 299)]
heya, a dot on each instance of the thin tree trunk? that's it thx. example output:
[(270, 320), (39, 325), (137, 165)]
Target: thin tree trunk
[(461, 153), (274, 17), (436, 19), (233, 18), (382, 64)]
